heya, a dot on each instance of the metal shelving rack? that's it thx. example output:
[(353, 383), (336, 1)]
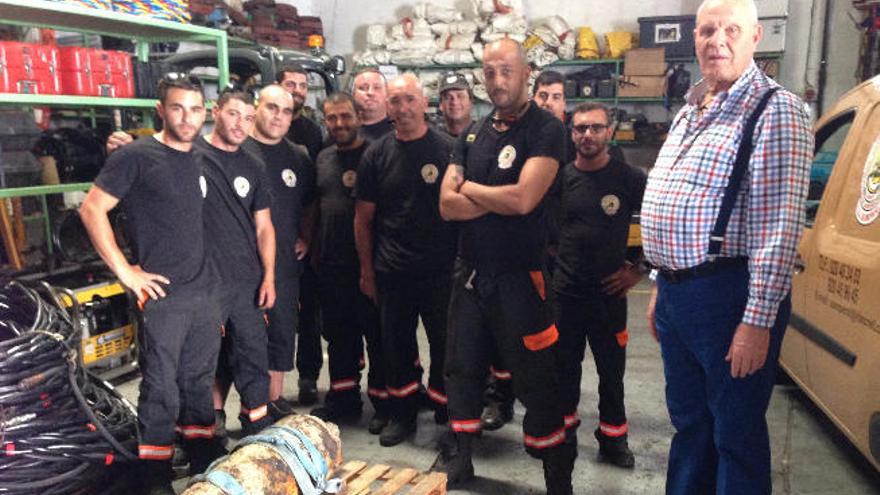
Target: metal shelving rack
[(65, 17)]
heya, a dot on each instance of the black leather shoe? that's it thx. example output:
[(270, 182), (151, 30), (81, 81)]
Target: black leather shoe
[(396, 431), (496, 414), (377, 423), (280, 408), (615, 450), (308, 392)]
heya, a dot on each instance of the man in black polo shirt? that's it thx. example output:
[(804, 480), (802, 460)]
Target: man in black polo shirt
[(239, 227), (592, 275), (158, 182), (304, 131), (291, 180), (369, 93), (348, 316), (406, 251), (499, 175)]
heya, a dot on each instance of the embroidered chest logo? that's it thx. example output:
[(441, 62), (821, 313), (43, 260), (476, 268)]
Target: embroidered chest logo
[(349, 178), (610, 204), (203, 185), (506, 157), (242, 186), (430, 173), (288, 177)]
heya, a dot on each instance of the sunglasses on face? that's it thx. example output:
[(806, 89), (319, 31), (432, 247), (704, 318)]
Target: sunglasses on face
[(593, 128)]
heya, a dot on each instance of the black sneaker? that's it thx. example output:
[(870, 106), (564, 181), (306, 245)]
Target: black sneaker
[(280, 408), (615, 450), (377, 423), (496, 414), (396, 431), (308, 392), (336, 413), (220, 423)]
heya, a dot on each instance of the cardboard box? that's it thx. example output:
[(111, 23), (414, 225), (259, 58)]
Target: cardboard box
[(645, 62), (641, 87)]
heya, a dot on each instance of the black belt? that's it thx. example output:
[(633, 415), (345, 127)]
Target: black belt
[(701, 270)]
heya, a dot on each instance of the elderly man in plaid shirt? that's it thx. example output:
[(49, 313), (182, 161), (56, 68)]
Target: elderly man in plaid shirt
[(721, 218)]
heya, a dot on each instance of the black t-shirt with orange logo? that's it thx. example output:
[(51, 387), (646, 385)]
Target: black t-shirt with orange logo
[(336, 179)]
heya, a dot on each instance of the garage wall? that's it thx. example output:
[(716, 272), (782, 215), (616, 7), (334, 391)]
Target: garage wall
[(345, 23)]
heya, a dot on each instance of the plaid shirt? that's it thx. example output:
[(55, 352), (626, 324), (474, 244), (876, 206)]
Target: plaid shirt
[(685, 187)]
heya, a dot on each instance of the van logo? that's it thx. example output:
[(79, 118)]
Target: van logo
[(868, 205)]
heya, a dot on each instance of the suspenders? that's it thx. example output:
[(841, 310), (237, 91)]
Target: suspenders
[(743, 155)]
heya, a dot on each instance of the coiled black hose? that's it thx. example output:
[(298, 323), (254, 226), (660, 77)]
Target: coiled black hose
[(60, 427)]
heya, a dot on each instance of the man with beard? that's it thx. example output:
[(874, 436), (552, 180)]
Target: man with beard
[(370, 96), (406, 251), (592, 275), (291, 180), (456, 103), (238, 223), (499, 175), (158, 182), (348, 316), (304, 131)]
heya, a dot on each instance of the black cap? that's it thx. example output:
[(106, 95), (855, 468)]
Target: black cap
[(453, 80)]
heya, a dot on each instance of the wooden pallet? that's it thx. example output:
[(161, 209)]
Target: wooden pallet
[(380, 479)]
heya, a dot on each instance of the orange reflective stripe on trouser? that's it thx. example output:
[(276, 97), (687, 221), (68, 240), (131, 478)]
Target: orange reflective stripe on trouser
[(190, 432), (545, 442), (437, 396), (256, 413), (622, 337), (156, 452), (610, 430), (465, 425), (538, 280), (541, 340)]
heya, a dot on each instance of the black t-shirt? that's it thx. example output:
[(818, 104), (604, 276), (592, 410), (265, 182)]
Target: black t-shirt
[(291, 177), (501, 243), (337, 175), (597, 207), (374, 132), (237, 189), (161, 191), (403, 179), (306, 132)]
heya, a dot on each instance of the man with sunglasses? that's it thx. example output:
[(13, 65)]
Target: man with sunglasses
[(499, 174), (159, 184), (592, 275)]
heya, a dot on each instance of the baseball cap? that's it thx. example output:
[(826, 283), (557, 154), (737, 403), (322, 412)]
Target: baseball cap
[(453, 80)]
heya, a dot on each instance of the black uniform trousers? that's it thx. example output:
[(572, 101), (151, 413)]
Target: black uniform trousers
[(403, 298), (309, 355), (244, 354), (283, 323), (599, 319), (510, 311), (178, 344), (347, 319)]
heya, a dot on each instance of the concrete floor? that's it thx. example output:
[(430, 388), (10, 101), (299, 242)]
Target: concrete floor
[(809, 456)]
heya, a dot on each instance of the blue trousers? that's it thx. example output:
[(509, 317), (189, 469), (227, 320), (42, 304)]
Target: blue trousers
[(721, 444)]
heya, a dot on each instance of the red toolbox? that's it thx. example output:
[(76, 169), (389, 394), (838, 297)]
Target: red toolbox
[(93, 72), (29, 68)]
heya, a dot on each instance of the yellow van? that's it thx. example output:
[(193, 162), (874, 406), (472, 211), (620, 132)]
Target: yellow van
[(832, 346)]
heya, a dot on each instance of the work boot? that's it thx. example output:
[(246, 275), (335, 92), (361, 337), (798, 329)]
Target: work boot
[(249, 427), (336, 412), (396, 431), (377, 423), (220, 423), (202, 452), (155, 477), (496, 414), (558, 466), (615, 450), (457, 462), (308, 392), (280, 408)]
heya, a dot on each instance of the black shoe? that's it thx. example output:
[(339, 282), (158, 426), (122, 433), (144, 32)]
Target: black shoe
[(615, 450), (249, 427), (220, 423), (280, 408), (496, 414), (308, 392), (336, 413), (156, 477), (377, 423), (558, 466), (396, 431), (202, 452), (456, 460)]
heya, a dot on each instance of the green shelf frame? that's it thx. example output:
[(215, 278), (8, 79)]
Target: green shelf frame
[(67, 101), (42, 192)]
